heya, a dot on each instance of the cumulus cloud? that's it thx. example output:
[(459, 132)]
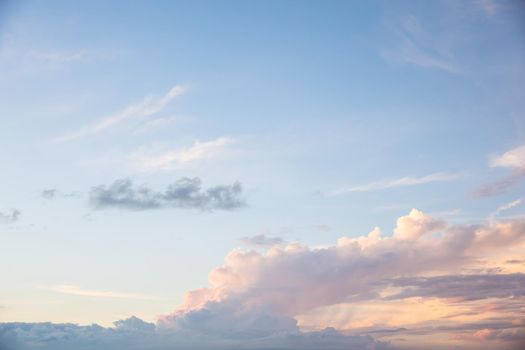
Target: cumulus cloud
[(256, 299), (261, 240), (184, 193), (416, 224), (403, 181), (147, 107), (9, 217), (259, 293)]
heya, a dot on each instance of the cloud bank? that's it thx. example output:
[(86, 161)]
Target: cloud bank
[(259, 294), (186, 193), (135, 334), (461, 283)]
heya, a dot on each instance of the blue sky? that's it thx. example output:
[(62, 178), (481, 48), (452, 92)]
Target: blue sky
[(335, 117)]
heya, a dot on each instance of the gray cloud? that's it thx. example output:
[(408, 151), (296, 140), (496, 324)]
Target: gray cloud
[(462, 287), (9, 217), (261, 240), (136, 334), (185, 193), (502, 185), (51, 193)]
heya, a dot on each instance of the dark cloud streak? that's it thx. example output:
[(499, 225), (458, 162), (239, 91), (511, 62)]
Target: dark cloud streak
[(185, 193)]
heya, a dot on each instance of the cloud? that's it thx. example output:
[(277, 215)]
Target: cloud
[(462, 287), (404, 181), (255, 300), (413, 44), (156, 123), (262, 293), (9, 217), (75, 290), (30, 58), (500, 186), (179, 158), (135, 334), (513, 159), (48, 193), (147, 107), (490, 7), (261, 240), (52, 193), (506, 207), (416, 224), (184, 193)]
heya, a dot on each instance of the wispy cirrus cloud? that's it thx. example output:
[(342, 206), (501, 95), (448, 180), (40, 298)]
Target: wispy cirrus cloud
[(147, 107), (413, 44), (506, 207), (514, 160), (393, 183), (145, 160), (490, 7), (76, 290)]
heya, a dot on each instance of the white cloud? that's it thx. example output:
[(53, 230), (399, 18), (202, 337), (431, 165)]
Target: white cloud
[(148, 107), (403, 181), (416, 224), (506, 207), (179, 158), (514, 158), (76, 290)]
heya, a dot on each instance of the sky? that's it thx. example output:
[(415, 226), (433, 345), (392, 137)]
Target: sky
[(262, 174)]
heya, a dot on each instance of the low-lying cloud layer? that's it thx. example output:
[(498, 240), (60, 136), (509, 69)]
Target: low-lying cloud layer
[(462, 284), (135, 334), (261, 294), (186, 193)]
